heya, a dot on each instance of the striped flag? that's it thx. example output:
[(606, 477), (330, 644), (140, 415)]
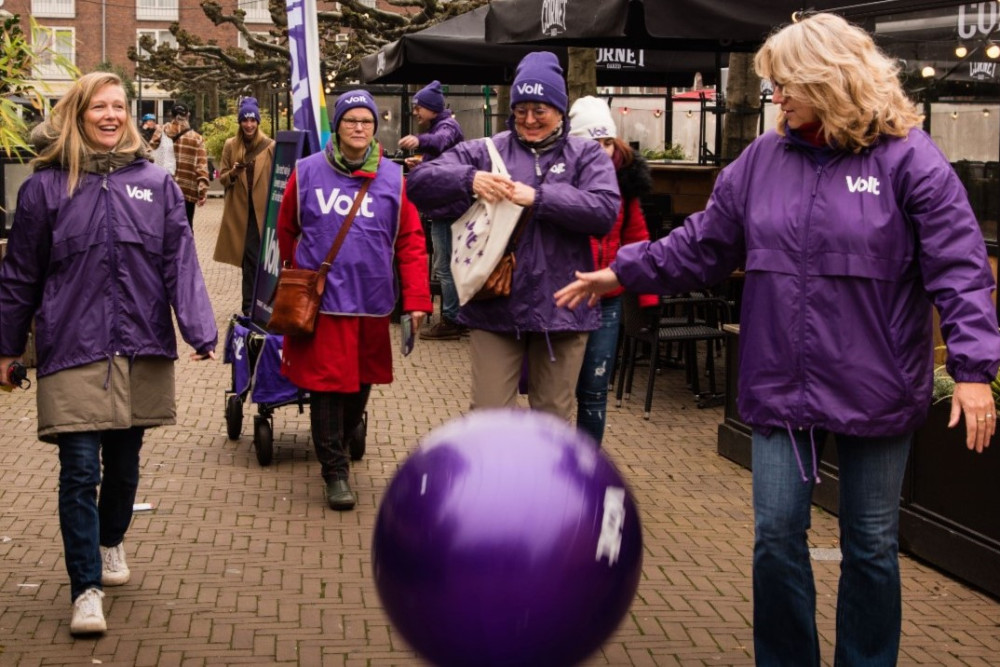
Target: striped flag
[(309, 112)]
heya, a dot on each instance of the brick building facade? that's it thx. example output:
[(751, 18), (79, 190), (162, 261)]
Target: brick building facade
[(89, 32)]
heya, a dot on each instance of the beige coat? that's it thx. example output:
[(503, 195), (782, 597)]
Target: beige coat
[(106, 395), (232, 232)]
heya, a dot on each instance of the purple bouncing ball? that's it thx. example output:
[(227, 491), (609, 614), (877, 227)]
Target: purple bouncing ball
[(507, 538)]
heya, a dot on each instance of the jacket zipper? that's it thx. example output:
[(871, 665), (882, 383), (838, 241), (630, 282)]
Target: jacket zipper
[(804, 277)]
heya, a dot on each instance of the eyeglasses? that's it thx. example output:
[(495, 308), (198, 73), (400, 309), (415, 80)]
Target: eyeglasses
[(364, 123), (539, 112)]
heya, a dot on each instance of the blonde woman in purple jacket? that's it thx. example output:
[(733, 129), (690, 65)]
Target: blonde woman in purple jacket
[(851, 225), (101, 257)]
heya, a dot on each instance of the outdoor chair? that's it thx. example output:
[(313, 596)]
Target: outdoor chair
[(700, 321)]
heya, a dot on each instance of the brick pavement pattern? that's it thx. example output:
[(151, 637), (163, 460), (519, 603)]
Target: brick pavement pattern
[(239, 564)]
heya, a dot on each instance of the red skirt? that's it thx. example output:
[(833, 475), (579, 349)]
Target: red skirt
[(342, 354)]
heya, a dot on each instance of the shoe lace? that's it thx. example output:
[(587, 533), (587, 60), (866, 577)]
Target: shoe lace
[(114, 558), (89, 602)]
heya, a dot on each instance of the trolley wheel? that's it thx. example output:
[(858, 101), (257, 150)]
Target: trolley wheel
[(263, 439), (356, 439), (234, 416)]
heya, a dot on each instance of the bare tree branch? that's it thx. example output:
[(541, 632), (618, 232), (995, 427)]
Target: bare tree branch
[(197, 63)]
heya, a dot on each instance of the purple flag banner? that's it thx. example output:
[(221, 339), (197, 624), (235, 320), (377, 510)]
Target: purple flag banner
[(309, 112)]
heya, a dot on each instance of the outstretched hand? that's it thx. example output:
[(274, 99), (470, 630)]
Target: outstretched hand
[(588, 286)]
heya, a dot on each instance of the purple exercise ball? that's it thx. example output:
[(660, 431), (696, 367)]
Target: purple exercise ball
[(507, 538)]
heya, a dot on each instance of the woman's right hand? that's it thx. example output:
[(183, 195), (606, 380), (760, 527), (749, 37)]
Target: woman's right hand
[(492, 187), (589, 285)]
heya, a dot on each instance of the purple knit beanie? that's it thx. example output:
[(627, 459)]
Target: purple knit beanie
[(539, 78), (430, 97), (249, 109), (353, 99)]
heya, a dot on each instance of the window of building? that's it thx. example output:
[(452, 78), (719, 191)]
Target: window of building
[(159, 37), (64, 9), (256, 11), (52, 45), (157, 10), (242, 42)]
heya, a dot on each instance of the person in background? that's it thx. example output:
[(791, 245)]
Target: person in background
[(150, 130), (246, 165), (161, 145), (350, 349), (439, 132), (99, 270), (192, 160), (851, 224), (590, 118), (569, 185)]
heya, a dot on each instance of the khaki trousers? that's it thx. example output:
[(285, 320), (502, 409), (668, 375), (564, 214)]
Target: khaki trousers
[(497, 360)]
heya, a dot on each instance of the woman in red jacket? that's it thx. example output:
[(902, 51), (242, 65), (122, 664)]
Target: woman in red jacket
[(350, 350), (590, 118)]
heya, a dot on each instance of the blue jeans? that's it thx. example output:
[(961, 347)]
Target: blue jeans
[(85, 521), (598, 362), (441, 240), (869, 607)]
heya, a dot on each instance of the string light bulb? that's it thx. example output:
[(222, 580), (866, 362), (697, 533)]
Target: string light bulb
[(927, 72), (992, 50), (961, 51)]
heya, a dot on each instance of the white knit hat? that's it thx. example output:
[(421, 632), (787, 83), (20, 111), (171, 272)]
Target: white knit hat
[(590, 118)]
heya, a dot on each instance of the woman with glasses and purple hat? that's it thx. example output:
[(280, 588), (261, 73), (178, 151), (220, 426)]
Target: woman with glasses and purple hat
[(569, 186), (350, 349)]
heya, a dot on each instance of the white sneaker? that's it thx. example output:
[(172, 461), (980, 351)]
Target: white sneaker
[(114, 570), (88, 613)]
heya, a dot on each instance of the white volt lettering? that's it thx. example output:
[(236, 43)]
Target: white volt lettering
[(341, 204), (862, 184), (143, 194)]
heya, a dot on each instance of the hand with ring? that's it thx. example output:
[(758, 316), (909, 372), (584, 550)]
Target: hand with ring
[(975, 401)]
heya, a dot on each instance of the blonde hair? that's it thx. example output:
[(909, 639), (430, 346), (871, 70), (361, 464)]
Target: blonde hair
[(68, 147), (836, 68)]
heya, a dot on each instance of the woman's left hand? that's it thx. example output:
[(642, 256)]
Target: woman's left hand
[(975, 399), (418, 317), (197, 356), (522, 194)]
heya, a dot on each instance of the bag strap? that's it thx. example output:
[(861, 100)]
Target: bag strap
[(498, 166), (324, 268)]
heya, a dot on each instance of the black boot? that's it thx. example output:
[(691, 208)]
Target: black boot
[(339, 495)]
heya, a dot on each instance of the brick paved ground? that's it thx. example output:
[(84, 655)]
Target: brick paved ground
[(239, 564)]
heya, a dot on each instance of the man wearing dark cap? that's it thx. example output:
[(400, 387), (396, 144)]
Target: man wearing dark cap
[(440, 131), (192, 160)]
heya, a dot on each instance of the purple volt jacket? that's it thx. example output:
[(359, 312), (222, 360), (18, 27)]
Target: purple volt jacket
[(443, 133), (576, 197), (101, 271), (844, 257)]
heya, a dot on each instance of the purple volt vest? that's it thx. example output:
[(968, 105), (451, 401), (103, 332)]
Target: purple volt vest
[(361, 279)]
